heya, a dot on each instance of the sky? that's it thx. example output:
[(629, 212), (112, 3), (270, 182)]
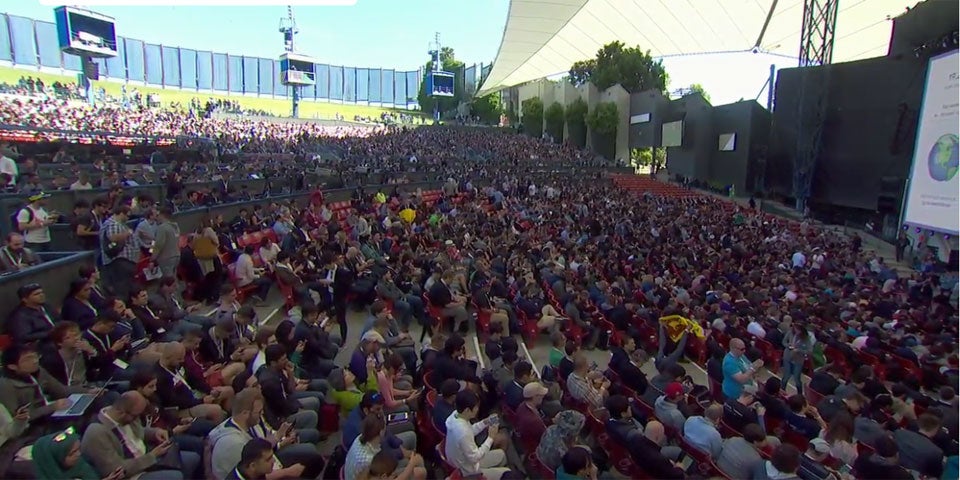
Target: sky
[(393, 34)]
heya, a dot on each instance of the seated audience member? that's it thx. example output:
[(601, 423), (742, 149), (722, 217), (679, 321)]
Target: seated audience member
[(657, 458), (874, 422), (461, 448), (372, 404), (280, 390), (256, 461), (702, 433), (108, 348), (884, 462), (631, 373), (385, 466), (813, 462), (57, 456), (13, 437), (530, 425), (770, 398), (744, 410), (784, 464), (446, 404), (587, 386), (395, 399), (320, 344), (666, 408), (804, 417), (175, 388), (452, 363), (740, 456), (622, 426), (344, 390), (227, 440), (246, 274), (77, 306), (157, 328), (826, 379), (577, 463), (166, 303), (451, 304), (558, 349), (367, 355), (187, 432), (66, 359), (917, 450), (364, 448), (492, 349), (565, 367), (560, 437), (31, 321), (26, 385), (15, 256), (848, 401), (117, 440)]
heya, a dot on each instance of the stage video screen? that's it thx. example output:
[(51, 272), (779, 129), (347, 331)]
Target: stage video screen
[(672, 134), (441, 84), (934, 183), (727, 142)]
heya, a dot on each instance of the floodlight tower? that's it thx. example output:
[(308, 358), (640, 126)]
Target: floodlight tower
[(295, 70)]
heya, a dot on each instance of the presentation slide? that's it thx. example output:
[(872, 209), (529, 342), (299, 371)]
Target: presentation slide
[(934, 184), (672, 134), (727, 142)]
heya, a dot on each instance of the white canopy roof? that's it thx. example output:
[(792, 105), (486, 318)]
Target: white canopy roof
[(545, 37)]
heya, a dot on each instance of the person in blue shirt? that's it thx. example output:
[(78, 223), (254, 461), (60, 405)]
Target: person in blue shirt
[(737, 369)]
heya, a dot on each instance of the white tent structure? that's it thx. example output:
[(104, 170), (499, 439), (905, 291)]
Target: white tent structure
[(545, 37)]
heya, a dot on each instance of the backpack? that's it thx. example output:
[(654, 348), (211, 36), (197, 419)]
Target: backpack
[(15, 224)]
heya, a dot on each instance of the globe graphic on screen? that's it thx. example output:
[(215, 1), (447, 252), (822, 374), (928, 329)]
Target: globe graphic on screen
[(943, 159)]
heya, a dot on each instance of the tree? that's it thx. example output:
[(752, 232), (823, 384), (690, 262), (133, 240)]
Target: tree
[(603, 122), (697, 88), (649, 157), (576, 117), (634, 69), (487, 108), (448, 63), (532, 116), (554, 120)]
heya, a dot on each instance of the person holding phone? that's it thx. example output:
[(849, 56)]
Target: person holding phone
[(461, 447)]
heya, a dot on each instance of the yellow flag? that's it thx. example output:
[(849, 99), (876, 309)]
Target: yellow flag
[(408, 215), (676, 325)]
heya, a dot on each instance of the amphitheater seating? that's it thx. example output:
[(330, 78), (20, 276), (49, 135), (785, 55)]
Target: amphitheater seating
[(647, 184)]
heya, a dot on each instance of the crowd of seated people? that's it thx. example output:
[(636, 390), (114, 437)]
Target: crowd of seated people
[(573, 259)]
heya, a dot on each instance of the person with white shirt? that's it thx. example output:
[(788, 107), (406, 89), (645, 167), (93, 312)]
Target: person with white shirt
[(34, 221), (83, 182), (756, 329), (8, 165), (461, 448), (246, 274), (799, 259)]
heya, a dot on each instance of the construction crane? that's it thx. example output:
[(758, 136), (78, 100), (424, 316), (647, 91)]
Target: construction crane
[(288, 27)]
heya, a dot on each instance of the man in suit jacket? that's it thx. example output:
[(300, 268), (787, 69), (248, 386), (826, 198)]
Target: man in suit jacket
[(453, 305), (118, 440), (631, 373)]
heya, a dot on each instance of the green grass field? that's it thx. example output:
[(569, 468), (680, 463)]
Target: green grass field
[(308, 109)]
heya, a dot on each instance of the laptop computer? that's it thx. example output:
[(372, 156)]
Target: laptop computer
[(79, 402)]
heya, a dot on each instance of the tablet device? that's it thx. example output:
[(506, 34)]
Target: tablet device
[(397, 417)]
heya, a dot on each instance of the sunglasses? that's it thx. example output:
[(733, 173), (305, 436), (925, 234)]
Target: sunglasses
[(64, 434)]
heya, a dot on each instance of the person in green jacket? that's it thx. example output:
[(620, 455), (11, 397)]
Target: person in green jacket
[(344, 391), (557, 352)]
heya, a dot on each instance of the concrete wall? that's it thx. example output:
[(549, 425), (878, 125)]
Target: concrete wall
[(740, 167), (692, 159), (647, 134), (563, 92)]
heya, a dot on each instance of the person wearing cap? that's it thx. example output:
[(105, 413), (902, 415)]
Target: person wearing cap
[(666, 408), (366, 354), (812, 462), (31, 321), (529, 419), (34, 221), (15, 256)]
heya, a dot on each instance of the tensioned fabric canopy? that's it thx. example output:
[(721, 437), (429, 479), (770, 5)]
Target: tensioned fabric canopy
[(545, 37)]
